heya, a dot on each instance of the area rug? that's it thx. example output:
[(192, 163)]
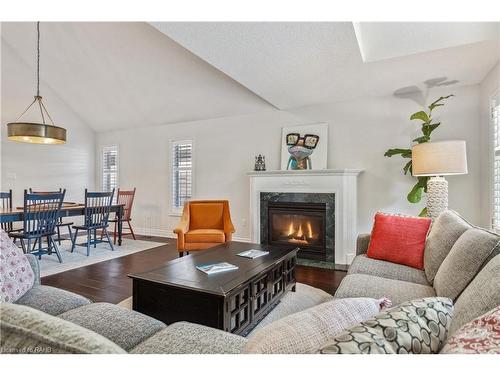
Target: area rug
[(49, 265)]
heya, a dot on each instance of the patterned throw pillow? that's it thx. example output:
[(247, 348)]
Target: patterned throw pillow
[(418, 326), (16, 275), (481, 336)]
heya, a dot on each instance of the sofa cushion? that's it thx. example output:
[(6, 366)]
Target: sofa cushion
[(399, 239), (304, 297), (480, 296), (53, 301), (205, 236), (445, 231), (124, 327), (308, 330), (418, 327), (481, 336), (358, 285), (364, 265), (26, 330), (190, 338), (464, 261), (16, 274)]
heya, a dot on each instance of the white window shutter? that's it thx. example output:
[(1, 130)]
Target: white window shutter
[(182, 173), (109, 168), (495, 124)]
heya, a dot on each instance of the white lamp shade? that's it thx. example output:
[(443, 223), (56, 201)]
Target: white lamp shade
[(439, 158)]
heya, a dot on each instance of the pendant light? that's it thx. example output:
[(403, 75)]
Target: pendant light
[(36, 132)]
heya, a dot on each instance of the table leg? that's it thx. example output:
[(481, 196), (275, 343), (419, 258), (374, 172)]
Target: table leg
[(120, 225)]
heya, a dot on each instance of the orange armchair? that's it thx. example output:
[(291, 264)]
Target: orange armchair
[(203, 224)]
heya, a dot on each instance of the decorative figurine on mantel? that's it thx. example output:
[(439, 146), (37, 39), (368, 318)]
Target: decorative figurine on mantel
[(260, 163)]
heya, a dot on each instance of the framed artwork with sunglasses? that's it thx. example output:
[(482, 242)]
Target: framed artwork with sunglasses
[(304, 147)]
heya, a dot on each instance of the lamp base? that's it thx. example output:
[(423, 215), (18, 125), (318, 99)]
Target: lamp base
[(437, 196)]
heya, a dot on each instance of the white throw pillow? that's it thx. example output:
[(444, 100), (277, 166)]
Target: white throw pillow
[(309, 330)]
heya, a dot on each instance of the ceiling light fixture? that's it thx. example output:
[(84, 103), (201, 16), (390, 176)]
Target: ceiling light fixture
[(35, 132)]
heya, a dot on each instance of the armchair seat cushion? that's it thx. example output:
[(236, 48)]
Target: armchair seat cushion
[(205, 236), (50, 300)]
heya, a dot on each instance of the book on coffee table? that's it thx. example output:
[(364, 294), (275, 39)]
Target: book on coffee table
[(252, 254), (210, 269)]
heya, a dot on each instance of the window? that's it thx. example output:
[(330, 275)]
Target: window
[(109, 168), (182, 174), (495, 124)]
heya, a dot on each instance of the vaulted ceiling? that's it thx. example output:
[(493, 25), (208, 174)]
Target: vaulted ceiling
[(124, 75), (299, 64)]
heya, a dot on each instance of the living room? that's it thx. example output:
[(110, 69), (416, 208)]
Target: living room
[(334, 175)]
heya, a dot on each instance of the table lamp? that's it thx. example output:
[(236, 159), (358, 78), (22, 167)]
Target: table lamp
[(438, 159)]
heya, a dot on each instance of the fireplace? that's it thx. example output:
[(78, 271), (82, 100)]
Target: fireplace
[(300, 224), (303, 220)]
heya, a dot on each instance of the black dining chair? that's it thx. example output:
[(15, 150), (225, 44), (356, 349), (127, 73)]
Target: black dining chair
[(96, 216), (60, 222), (40, 214), (6, 204)]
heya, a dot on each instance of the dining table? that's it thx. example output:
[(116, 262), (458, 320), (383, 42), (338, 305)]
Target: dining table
[(15, 214)]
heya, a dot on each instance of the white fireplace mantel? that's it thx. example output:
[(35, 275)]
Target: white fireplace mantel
[(341, 182)]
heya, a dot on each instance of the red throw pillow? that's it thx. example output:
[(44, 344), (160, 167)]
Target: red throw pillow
[(399, 239)]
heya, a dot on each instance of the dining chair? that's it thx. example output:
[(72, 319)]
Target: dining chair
[(96, 217), (40, 214), (125, 197), (6, 204), (60, 222)]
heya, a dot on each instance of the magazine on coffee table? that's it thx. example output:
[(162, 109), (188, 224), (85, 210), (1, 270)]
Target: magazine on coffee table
[(210, 269), (252, 253)]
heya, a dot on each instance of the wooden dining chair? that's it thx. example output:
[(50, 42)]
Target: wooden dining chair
[(125, 197), (40, 214), (60, 222), (96, 217)]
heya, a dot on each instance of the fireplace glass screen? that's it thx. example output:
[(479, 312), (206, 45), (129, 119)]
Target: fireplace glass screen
[(303, 227)]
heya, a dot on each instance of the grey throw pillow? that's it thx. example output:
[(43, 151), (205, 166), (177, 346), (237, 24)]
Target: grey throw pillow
[(418, 326), (308, 330), (464, 261), (445, 231)]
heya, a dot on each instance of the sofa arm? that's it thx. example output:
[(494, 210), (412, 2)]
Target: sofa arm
[(35, 266), (362, 243)]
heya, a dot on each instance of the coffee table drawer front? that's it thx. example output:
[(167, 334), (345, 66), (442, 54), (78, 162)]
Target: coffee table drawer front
[(289, 272), (277, 281), (239, 306)]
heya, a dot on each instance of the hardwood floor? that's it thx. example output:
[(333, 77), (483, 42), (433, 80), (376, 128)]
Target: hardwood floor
[(108, 282)]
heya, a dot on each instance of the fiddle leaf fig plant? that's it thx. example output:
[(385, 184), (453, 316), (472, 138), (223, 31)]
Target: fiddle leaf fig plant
[(427, 127)]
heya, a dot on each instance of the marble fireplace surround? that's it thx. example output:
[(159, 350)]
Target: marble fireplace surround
[(341, 182)]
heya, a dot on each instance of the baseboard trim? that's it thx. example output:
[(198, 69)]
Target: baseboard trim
[(168, 234)]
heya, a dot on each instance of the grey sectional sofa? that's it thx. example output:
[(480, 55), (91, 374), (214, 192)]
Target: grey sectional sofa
[(462, 262)]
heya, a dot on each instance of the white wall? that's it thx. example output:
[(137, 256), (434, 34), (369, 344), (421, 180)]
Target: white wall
[(489, 86), (359, 133), (69, 166)]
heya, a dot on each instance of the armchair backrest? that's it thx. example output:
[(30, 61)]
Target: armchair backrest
[(209, 214)]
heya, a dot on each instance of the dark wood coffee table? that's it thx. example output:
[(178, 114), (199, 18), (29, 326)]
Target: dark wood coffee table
[(234, 301)]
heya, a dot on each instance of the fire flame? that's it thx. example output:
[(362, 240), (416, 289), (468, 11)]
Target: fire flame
[(301, 235)]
